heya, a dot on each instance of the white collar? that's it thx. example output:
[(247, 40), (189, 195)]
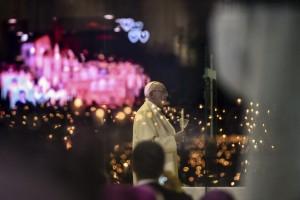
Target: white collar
[(158, 195), (145, 182), (153, 106)]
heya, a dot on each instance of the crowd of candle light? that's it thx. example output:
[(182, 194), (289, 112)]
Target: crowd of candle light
[(225, 165)]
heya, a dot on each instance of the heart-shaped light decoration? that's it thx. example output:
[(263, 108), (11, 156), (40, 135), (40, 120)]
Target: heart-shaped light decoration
[(126, 23), (134, 35), (144, 36), (138, 25)]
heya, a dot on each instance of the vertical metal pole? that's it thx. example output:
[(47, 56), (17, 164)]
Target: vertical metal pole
[(211, 98), (210, 76)]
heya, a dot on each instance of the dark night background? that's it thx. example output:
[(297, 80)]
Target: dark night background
[(176, 54)]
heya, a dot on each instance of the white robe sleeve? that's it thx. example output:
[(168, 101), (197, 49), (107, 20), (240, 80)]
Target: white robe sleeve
[(167, 142), (144, 129)]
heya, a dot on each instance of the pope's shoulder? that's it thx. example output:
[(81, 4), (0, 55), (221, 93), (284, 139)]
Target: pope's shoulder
[(143, 112), (144, 108)]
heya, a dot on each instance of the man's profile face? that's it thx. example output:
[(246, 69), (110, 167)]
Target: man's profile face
[(159, 96)]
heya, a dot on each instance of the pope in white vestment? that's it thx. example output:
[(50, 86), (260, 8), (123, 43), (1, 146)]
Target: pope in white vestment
[(151, 124)]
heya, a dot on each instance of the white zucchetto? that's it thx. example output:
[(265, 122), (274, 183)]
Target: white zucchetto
[(152, 86)]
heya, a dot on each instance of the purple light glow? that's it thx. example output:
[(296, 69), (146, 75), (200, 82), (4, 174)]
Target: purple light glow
[(61, 77)]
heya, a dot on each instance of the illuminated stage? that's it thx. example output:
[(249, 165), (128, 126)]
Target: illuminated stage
[(58, 76)]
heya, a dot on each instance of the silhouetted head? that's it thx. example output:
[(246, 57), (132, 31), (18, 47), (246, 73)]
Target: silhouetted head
[(148, 160), (22, 95)]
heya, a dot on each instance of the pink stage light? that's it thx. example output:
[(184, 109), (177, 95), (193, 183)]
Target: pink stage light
[(12, 21), (62, 77), (109, 16)]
